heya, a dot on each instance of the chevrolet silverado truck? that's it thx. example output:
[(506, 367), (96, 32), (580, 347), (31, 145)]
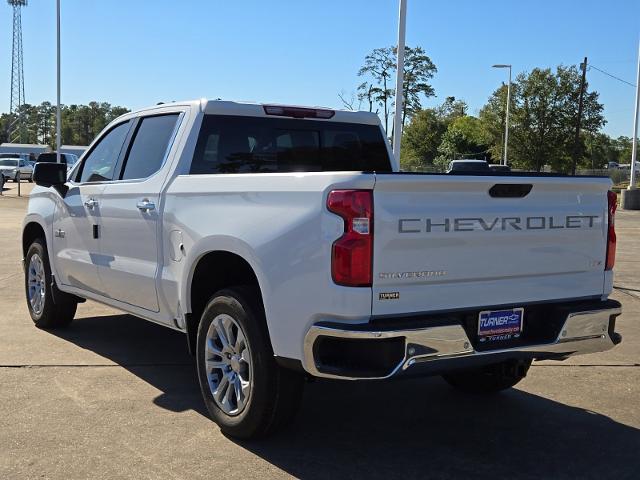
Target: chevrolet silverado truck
[(285, 244)]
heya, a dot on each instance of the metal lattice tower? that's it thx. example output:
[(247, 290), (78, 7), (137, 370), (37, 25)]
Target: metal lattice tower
[(17, 127)]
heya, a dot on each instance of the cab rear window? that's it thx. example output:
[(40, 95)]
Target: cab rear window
[(235, 144)]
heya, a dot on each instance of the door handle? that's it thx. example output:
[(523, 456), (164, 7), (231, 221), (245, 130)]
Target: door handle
[(146, 205), (91, 203)]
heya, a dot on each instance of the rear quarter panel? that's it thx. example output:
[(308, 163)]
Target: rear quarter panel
[(279, 224)]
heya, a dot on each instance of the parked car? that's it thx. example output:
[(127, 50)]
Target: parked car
[(468, 166), (16, 169), (284, 243), (627, 167), (612, 166)]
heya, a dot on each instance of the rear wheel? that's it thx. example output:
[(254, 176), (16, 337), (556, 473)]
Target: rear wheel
[(246, 392), (491, 378), (48, 306)]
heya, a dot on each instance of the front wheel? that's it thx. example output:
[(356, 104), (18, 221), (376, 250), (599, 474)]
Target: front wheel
[(491, 378), (48, 308), (246, 392), (16, 179)]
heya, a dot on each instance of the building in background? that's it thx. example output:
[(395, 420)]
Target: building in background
[(32, 149)]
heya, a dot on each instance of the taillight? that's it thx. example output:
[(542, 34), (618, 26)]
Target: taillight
[(612, 199), (351, 255)]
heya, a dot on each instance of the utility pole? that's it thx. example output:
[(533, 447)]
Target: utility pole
[(397, 124), (506, 117), (58, 112), (576, 140), (634, 149)]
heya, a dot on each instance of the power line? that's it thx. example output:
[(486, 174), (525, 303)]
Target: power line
[(612, 76)]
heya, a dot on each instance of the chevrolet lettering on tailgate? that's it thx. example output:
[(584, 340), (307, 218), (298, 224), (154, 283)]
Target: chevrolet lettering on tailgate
[(469, 224)]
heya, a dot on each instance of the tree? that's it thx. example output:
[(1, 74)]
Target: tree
[(421, 139), (465, 138), (80, 123), (418, 70), (542, 119), (423, 135), (379, 66), (492, 116), (378, 74), (622, 146)]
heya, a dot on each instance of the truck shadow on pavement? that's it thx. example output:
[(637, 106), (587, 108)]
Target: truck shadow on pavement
[(406, 428)]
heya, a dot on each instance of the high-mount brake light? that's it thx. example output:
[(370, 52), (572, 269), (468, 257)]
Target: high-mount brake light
[(612, 201), (298, 112), (351, 255)]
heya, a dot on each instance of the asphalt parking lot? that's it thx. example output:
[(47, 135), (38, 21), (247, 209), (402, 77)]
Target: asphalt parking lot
[(116, 397)]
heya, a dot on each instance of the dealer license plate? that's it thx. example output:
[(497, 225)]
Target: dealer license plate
[(496, 325)]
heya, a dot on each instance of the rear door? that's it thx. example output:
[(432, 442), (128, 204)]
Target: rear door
[(130, 214), (447, 241)]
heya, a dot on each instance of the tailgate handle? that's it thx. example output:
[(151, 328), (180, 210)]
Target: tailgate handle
[(510, 190)]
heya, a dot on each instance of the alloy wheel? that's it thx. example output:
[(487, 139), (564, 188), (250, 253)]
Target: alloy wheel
[(228, 364), (36, 284)]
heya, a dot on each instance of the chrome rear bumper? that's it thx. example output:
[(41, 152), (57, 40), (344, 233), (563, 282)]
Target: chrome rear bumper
[(582, 332)]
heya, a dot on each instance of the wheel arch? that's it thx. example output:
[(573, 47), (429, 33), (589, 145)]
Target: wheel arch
[(213, 270), (30, 232)]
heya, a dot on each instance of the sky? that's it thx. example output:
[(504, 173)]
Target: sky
[(136, 53)]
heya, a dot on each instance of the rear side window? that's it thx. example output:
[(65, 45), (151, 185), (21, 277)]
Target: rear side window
[(235, 144), (149, 146)]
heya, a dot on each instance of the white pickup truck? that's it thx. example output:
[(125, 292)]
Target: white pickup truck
[(284, 242)]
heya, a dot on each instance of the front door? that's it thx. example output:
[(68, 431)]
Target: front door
[(76, 251), (130, 215), (78, 214)]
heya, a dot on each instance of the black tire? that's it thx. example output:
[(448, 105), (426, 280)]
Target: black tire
[(59, 308), (491, 378), (16, 178), (275, 392), (31, 178)]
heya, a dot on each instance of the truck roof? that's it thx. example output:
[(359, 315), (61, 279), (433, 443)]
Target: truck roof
[(254, 109)]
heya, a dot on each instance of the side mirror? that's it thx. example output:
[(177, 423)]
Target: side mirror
[(50, 174)]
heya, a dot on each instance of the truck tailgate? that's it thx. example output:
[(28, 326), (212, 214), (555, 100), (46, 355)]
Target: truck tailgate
[(448, 242)]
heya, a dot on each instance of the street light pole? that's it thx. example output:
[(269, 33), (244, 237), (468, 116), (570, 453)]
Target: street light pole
[(58, 113), (634, 148), (506, 120), (397, 123)]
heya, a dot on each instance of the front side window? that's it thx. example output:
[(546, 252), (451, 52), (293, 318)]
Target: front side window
[(100, 163), (149, 146), (235, 144)]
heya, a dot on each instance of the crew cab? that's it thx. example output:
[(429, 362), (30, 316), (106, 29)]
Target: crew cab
[(285, 243)]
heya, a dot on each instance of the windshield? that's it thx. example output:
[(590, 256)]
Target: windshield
[(8, 162)]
